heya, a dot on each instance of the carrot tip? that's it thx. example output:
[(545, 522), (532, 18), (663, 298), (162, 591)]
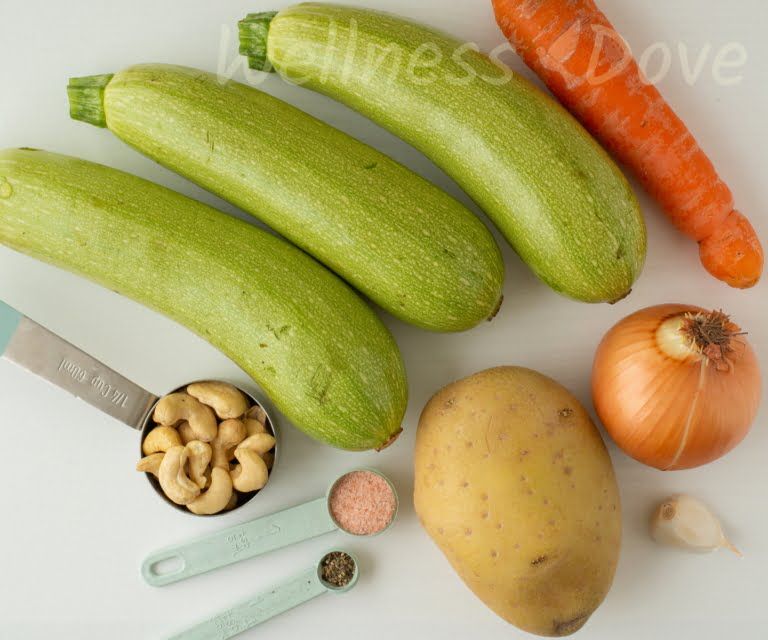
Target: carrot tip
[(733, 253)]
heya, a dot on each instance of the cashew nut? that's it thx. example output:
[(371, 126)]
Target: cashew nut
[(151, 464), (160, 439), (199, 456), (253, 427), (217, 497), (260, 443), (186, 432), (232, 502), (173, 479), (256, 412), (226, 400), (251, 474), (269, 459), (177, 407), (231, 433), (256, 420)]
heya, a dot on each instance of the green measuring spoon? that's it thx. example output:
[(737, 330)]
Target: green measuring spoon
[(251, 539), (260, 608)]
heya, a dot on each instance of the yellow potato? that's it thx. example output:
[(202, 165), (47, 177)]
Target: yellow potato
[(514, 484)]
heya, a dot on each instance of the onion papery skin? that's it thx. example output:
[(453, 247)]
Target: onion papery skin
[(666, 404)]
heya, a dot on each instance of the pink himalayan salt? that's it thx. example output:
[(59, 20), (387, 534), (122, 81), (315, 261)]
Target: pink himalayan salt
[(362, 503)]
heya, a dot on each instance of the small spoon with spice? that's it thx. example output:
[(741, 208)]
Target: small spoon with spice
[(361, 503), (336, 572)]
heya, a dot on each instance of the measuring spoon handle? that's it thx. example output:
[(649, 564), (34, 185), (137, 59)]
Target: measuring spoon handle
[(258, 609), (238, 543), (45, 354)]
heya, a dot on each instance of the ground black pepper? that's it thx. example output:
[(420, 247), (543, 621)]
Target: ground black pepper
[(337, 569)]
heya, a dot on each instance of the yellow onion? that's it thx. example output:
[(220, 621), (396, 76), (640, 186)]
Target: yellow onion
[(676, 386)]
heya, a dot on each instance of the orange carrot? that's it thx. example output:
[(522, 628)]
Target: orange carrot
[(573, 47)]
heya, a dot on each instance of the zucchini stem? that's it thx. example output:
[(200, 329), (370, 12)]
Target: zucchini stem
[(254, 33), (86, 99)]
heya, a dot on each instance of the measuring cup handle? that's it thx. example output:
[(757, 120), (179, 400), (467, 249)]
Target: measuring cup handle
[(238, 543), (9, 322), (258, 609), (45, 354)]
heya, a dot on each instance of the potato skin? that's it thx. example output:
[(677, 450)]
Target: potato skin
[(514, 484)]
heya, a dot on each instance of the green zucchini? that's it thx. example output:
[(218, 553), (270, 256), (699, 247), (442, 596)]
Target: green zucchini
[(315, 347), (553, 192), (403, 242)]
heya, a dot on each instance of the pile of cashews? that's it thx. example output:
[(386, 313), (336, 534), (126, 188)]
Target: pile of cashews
[(200, 432)]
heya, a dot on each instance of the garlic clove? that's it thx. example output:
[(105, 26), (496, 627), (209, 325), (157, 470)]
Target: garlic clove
[(685, 522)]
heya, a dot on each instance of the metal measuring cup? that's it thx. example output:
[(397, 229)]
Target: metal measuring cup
[(38, 350)]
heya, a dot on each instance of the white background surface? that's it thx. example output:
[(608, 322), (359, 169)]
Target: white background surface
[(76, 520)]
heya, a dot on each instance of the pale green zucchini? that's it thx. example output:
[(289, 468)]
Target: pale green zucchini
[(315, 347), (554, 193), (406, 244)]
